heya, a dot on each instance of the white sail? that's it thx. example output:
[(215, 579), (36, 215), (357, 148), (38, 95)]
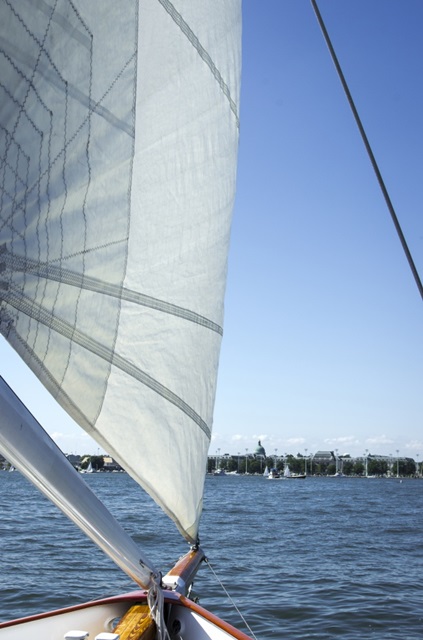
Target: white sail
[(118, 130)]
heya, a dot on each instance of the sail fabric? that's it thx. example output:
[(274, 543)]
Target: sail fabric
[(118, 133)]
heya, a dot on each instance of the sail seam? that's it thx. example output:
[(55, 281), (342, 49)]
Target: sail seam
[(40, 314), (202, 52), (92, 105), (64, 23), (8, 330), (44, 136), (58, 274)]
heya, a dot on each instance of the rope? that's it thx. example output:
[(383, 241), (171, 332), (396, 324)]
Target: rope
[(231, 600)]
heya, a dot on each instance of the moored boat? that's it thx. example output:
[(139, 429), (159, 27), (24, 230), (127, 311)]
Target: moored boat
[(287, 475), (273, 474)]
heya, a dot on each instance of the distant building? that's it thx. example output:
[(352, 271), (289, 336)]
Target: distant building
[(75, 460), (321, 457), (110, 464), (260, 451)]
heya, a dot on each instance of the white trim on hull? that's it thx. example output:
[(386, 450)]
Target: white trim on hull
[(184, 617)]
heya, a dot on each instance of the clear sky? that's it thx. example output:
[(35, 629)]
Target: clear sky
[(323, 327), (323, 330)]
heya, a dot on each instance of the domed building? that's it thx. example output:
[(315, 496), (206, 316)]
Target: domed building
[(260, 451)]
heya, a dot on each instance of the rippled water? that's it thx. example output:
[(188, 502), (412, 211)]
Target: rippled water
[(322, 558)]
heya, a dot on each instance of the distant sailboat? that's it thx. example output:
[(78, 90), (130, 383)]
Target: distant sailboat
[(89, 468), (273, 474), (219, 472), (292, 476)]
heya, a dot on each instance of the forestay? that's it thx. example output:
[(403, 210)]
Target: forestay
[(119, 128)]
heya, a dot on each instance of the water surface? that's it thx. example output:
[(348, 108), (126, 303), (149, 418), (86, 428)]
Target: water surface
[(321, 558)]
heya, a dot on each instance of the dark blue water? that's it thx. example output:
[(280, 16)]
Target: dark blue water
[(322, 558)]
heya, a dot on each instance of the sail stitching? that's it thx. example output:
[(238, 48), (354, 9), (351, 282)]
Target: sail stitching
[(92, 105), (37, 66), (6, 221), (42, 315), (203, 53), (62, 212), (4, 191), (22, 110), (53, 75), (18, 205), (64, 23), (66, 276), (8, 330), (88, 184)]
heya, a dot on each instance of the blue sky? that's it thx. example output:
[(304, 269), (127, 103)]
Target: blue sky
[(323, 327)]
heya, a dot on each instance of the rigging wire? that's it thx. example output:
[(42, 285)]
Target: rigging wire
[(368, 149), (231, 600), (155, 600)]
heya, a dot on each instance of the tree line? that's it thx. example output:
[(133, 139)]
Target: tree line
[(300, 464)]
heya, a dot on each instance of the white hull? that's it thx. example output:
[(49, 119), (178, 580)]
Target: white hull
[(184, 618), (303, 477)]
